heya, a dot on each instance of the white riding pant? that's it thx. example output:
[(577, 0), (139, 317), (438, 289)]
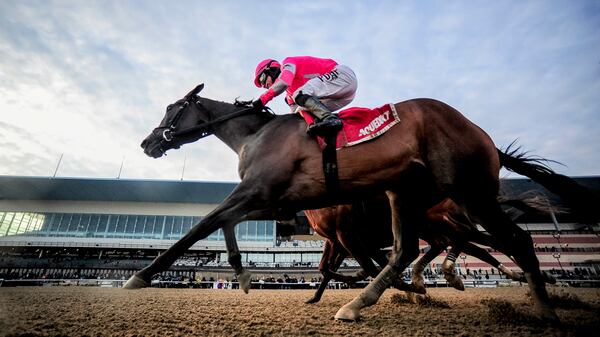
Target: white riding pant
[(335, 90)]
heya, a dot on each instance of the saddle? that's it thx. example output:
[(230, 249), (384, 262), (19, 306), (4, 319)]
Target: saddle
[(360, 125)]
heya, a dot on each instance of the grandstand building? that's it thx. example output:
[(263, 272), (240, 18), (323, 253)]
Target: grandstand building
[(108, 228)]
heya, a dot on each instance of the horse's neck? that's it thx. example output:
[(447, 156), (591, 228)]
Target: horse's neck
[(237, 131)]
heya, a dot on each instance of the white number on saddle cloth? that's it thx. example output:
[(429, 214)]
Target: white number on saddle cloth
[(363, 124)]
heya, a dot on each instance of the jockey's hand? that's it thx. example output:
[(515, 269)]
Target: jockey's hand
[(239, 103), (258, 105)]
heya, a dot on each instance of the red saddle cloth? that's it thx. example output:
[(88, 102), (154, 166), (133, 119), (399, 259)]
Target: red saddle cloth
[(361, 124)]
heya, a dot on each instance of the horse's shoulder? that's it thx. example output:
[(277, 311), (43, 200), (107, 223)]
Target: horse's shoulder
[(280, 128)]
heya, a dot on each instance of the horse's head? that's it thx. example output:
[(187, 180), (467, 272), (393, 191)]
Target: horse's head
[(181, 115)]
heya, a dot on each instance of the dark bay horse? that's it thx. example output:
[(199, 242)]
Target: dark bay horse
[(434, 153)]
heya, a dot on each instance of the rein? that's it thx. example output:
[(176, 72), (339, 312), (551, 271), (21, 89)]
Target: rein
[(205, 128)]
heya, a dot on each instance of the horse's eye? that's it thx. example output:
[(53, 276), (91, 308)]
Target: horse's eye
[(169, 107)]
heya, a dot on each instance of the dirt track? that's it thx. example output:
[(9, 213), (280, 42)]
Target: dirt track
[(78, 311)]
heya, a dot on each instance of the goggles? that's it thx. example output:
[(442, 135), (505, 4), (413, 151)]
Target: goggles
[(262, 79)]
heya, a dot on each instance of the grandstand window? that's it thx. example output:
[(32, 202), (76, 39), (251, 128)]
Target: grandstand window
[(3, 227), (93, 226), (168, 230), (23, 223), (240, 231), (129, 228), (47, 225), (149, 229), (261, 230), (112, 226), (140, 226), (121, 224), (16, 223), (35, 223), (159, 227), (65, 220), (177, 227), (57, 223), (252, 225), (288, 258), (187, 224), (84, 223), (6, 221), (270, 229), (74, 223), (102, 226)]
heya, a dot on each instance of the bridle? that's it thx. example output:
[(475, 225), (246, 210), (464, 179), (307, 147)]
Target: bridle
[(204, 129)]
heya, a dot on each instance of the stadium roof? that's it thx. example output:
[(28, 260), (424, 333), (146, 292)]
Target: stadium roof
[(176, 191), (89, 189)]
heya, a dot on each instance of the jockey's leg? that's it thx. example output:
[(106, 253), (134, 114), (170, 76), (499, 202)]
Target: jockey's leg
[(326, 122)]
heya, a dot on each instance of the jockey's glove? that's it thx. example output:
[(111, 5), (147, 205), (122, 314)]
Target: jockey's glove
[(258, 104)]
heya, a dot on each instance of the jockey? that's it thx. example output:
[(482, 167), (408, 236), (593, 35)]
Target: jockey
[(318, 85)]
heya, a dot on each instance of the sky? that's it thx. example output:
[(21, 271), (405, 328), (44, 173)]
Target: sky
[(84, 82)]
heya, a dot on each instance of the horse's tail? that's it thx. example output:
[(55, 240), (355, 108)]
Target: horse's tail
[(531, 203), (580, 199)]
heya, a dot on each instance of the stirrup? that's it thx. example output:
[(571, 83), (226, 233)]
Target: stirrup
[(325, 127)]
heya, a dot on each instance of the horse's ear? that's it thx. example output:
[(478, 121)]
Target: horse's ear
[(196, 90)]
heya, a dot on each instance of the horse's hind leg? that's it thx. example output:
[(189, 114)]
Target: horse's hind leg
[(330, 261), (235, 258), (419, 266), (448, 268), (405, 250), (518, 244), (486, 257)]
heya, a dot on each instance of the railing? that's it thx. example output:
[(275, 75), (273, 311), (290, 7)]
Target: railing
[(430, 283)]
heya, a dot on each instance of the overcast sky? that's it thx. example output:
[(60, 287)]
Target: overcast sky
[(88, 80)]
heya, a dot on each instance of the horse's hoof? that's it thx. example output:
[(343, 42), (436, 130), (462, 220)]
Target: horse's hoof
[(417, 288), (458, 285), (244, 280), (347, 314), (455, 282), (136, 282), (548, 315), (548, 278), (312, 300), (411, 297)]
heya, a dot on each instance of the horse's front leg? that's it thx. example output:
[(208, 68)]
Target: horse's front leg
[(405, 250), (235, 258), (233, 210)]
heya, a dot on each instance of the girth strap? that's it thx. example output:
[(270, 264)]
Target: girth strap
[(330, 167)]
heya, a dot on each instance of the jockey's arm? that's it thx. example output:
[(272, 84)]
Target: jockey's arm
[(288, 70)]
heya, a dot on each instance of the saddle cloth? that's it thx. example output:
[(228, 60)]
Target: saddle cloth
[(361, 124)]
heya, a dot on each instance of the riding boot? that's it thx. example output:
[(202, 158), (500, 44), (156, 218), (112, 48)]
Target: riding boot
[(326, 122)]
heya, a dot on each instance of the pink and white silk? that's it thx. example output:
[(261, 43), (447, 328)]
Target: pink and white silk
[(295, 72)]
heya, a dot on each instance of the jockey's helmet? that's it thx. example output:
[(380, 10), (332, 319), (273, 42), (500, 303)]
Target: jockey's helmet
[(268, 67)]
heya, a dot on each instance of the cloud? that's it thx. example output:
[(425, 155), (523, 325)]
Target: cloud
[(90, 80)]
